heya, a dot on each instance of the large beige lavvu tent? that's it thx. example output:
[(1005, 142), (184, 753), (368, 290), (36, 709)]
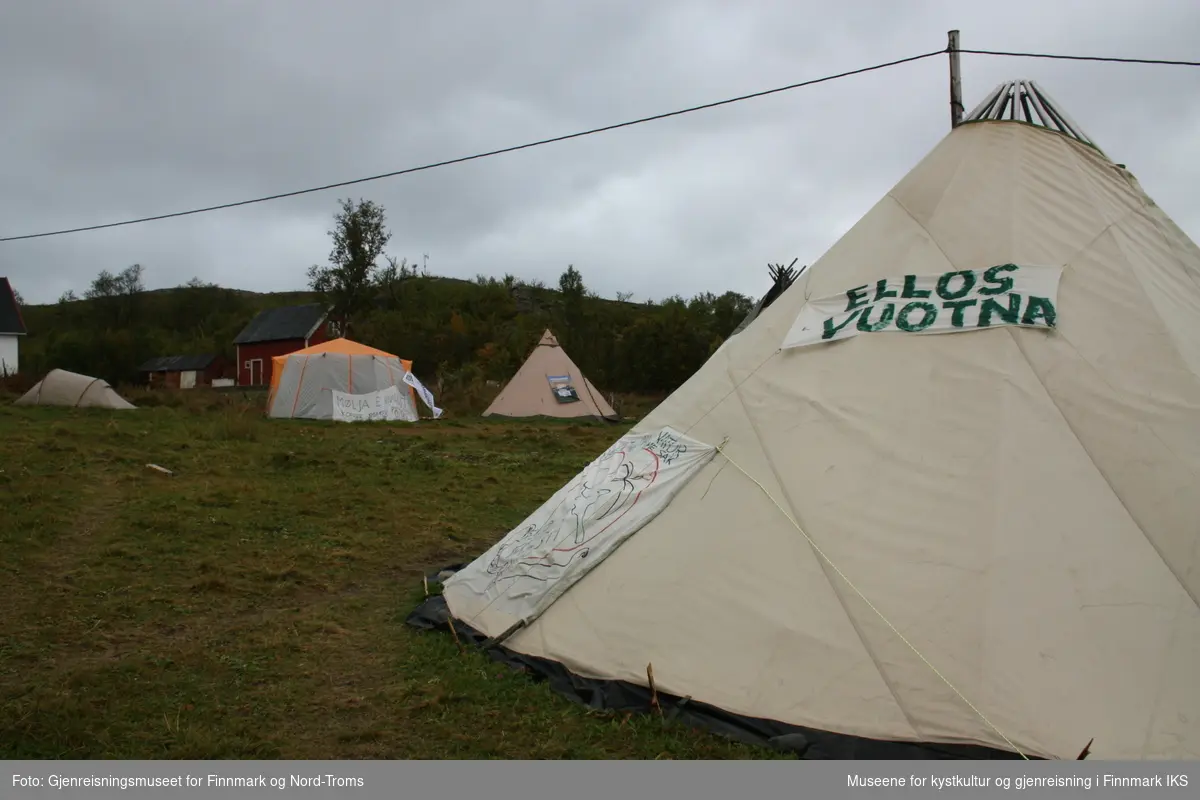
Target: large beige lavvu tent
[(941, 495), (62, 388), (550, 384)]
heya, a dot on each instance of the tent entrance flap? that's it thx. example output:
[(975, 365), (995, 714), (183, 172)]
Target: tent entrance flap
[(578, 527)]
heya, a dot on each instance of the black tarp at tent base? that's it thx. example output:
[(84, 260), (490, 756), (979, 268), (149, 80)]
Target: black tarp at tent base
[(621, 696)]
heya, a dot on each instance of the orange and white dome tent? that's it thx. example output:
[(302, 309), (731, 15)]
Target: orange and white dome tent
[(305, 384)]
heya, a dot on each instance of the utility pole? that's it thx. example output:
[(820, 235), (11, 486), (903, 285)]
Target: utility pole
[(956, 105)]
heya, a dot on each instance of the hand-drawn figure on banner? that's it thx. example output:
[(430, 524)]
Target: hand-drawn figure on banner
[(590, 505), (583, 502), (511, 552)]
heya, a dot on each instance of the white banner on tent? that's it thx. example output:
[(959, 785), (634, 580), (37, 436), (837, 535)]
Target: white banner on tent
[(386, 404), (955, 301), (581, 525), (426, 395)]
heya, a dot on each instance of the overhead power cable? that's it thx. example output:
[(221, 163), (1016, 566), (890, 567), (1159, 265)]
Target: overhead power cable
[(1109, 59), (476, 156), (592, 131)]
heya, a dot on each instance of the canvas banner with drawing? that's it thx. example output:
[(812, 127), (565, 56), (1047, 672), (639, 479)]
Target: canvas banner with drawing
[(955, 301), (390, 404), (577, 528)]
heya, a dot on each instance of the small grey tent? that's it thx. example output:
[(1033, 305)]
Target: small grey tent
[(63, 388)]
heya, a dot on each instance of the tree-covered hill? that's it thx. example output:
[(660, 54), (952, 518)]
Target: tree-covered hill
[(458, 333)]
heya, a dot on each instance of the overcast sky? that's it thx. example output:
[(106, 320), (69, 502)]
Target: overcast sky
[(128, 108)]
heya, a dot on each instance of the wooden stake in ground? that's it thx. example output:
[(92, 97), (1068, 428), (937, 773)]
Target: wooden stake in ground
[(454, 633), (425, 582), (653, 690)]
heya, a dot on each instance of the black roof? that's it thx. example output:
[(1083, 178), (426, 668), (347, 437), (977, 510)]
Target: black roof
[(11, 320), (177, 363), (287, 322)]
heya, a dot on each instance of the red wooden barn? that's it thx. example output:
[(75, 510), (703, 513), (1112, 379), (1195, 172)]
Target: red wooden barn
[(183, 372), (277, 332)]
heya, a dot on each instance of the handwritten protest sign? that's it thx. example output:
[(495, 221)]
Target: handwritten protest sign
[(389, 404), (955, 301)]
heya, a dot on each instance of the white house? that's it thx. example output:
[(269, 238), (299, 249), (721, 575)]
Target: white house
[(12, 328)]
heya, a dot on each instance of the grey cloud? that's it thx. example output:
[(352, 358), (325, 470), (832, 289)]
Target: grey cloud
[(116, 110)]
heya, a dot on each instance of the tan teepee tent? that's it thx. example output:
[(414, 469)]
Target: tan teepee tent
[(62, 388), (942, 492), (549, 384)]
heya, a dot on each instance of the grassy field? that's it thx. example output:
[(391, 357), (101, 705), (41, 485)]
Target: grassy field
[(252, 605)]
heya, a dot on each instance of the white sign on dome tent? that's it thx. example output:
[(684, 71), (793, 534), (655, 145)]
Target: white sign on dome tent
[(386, 404)]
